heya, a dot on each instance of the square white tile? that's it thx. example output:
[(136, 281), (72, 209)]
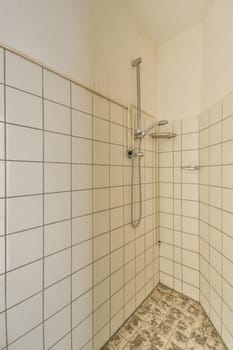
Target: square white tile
[(57, 237), (24, 143), (2, 293), (57, 326), (101, 269), (2, 256), (81, 203), (100, 199), (116, 155), (24, 178), (2, 141), (83, 333), (100, 153), (81, 308), (57, 267), (81, 281), (24, 213), (101, 316), (62, 292), (57, 207), (32, 339), (63, 344), (24, 247), (2, 103), (81, 229), (30, 278), (1, 65), (81, 151), (100, 130), (30, 311), (56, 88), (81, 99), (116, 176), (55, 183), (81, 255), (23, 74), (100, 176), (57, 118), (100, 107), (101, 222), (101, 293), (81, 124), (57, 148), (2, 177), (116, 113), (23, 108), (81, 177), (101, 246), (3, 329)]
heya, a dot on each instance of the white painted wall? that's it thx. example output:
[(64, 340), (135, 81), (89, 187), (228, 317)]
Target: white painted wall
[(91, 41), (179, 73), (195, 68), (57, 33), (117, 41), (217, 52)]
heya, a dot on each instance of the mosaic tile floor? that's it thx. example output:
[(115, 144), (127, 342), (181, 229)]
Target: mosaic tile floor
[(167, 320)]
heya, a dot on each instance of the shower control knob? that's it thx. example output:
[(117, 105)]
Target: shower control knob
[(130, 153)]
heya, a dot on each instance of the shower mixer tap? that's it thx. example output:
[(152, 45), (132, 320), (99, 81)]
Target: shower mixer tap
[(132, 153)]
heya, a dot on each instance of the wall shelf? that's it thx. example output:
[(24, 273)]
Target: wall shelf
[(163, 135)]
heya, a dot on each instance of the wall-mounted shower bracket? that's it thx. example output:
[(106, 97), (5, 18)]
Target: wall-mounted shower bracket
[(132, 153)]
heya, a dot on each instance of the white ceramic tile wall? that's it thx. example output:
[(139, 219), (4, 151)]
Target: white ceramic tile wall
[(72, 269), (179, 208), (216, 216)]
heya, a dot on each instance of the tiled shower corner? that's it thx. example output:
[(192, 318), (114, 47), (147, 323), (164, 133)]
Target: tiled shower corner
[(196, 213), (179, 207), (72, 269)]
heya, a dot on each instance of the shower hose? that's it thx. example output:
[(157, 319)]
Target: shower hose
[(136, 221)]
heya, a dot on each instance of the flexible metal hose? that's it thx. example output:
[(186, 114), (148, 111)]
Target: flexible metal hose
[(135, 222)]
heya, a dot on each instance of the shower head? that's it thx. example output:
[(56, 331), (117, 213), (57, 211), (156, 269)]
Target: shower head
[(140, 134)]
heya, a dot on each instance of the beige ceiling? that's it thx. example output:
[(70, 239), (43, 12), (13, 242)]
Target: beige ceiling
[(162, 19)]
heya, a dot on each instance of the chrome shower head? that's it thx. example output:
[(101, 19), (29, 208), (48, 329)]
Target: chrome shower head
[(140, 134)]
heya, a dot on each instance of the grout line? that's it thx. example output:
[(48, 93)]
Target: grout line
[(67, 219), (109, 234), (222, 233), (93, 237), (124, 231), (71, 221), (208, 150), (173, 217), (199, 247), (5, 206), (43, 223), (181, 196)]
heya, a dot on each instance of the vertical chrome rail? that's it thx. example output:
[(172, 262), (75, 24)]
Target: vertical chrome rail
[(136, 63)]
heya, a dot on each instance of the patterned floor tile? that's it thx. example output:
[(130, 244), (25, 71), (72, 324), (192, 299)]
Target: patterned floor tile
[(167, 320), (117, 342)]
